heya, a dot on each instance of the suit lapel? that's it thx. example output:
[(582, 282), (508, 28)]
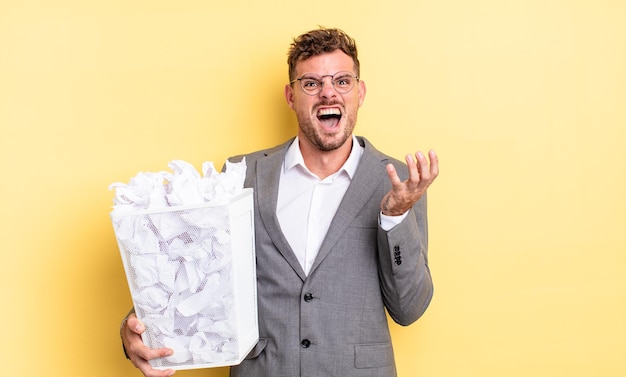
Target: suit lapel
[(366, 179), (268, 177)]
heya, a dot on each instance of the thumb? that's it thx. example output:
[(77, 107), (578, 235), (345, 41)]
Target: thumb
[(393, 175), (135, 325)]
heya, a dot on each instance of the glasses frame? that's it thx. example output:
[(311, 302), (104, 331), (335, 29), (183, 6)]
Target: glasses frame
[(321, 80)]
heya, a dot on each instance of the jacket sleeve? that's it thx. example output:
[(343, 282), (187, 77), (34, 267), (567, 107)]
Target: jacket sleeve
[(403, 266)]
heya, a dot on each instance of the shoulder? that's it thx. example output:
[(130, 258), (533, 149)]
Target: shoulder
[(375, 157)]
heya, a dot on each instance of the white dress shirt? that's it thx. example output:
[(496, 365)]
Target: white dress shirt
[(307, 204)]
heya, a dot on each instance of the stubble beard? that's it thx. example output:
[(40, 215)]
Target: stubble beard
[(323, 141)]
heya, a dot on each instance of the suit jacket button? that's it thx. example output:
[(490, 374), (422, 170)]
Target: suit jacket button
[(306, 343), (308, 297)]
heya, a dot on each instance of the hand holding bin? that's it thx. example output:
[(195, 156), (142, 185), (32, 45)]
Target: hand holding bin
[(192, 277)]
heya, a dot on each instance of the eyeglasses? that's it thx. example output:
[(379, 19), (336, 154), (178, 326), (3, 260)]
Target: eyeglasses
[(312, 84)]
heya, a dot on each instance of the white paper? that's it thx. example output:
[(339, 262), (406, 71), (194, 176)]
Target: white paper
[(183, 186)]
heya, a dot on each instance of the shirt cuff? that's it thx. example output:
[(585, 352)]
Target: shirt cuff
[(388, 222)]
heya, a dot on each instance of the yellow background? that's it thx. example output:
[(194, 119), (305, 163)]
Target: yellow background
[(524, 100)]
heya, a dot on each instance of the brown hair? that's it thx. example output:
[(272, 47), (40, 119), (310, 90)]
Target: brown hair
[(321, 41)]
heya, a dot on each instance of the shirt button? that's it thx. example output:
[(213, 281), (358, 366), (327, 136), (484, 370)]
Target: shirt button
[(306, 343), (308, 297)]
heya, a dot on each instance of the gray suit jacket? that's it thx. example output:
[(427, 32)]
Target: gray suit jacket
[(332, 323)]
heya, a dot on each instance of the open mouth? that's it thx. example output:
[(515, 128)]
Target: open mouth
[(329, 117)]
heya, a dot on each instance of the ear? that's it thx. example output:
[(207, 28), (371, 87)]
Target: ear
[(362, 91), (289, 95)]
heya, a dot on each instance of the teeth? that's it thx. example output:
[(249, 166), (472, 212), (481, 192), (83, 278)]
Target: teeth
[(327, 112)]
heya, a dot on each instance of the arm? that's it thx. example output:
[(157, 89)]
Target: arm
[(403, 250), (403, 266), (137, 351)]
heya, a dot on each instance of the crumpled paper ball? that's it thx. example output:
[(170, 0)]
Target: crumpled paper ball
[(183, 186)]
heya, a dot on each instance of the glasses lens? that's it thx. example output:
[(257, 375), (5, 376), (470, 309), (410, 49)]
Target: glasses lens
[(343, 82), (311, 85)]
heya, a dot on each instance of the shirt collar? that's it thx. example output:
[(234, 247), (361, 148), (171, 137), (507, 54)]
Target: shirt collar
[(294, 157)]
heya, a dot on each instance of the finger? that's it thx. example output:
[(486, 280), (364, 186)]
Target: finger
[(420, 172), (134, 324), (414, 170), (139, 353), (423, 166), (145, 368), (393, 175), (136, 347), (434, 164), (422, 162), (147, 353)]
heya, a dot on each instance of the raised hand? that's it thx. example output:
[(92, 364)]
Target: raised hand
[(403, 194)]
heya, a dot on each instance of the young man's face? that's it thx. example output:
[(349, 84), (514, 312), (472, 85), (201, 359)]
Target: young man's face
[(326, 119)]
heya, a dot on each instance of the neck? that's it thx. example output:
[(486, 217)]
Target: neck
[(325, 163)]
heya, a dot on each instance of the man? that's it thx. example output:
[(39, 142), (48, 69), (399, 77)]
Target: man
[(341, 232)]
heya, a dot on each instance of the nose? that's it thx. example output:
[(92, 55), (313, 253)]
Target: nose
[(328, 89)]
